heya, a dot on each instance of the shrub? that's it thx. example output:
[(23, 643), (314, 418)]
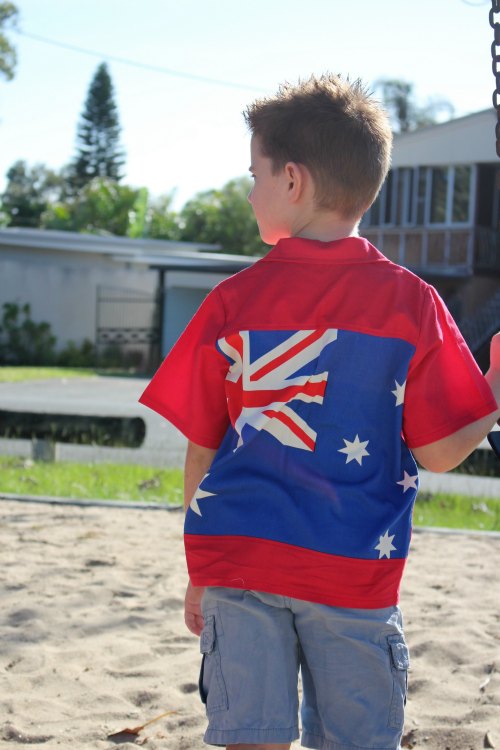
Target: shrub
[(74, 355), (22, 341)]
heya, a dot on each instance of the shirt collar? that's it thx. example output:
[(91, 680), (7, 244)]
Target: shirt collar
[(347, 250)]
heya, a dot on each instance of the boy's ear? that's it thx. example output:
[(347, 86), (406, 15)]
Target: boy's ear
[(297, 178)]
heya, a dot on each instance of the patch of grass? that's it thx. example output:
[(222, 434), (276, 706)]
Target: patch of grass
[(132, 483), (128, 483), (18, 374), (457, 512)]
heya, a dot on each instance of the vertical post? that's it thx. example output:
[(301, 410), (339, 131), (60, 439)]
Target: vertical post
[(161, 310), (44, 450)]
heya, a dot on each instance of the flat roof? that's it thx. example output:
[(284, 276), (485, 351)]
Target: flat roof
[(464, 140), (161, 255), (51, 239), (201, 262)]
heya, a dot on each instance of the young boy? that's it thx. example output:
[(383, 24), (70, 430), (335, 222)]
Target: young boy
[(307, 385)]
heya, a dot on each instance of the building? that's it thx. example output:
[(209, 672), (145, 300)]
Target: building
[(438, 214), (133, 295)]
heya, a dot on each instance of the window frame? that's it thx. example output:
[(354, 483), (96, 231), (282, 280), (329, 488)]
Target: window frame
[(411, 177)]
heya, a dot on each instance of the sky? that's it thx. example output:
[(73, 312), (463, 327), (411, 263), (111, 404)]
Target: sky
[(182, 126)]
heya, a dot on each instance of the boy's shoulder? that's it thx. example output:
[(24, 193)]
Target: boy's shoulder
[(359, 290), (355, 255)]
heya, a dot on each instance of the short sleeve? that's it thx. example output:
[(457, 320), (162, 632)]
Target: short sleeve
[(189, 387), (445, 389)]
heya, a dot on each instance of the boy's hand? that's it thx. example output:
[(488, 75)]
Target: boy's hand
[(192, 608), (493, 374)]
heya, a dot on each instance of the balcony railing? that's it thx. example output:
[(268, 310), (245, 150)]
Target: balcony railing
[(442, 252), (487, 250), (479, 328)]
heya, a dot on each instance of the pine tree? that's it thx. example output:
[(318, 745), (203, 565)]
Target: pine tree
[(99, 153), (8, 16)]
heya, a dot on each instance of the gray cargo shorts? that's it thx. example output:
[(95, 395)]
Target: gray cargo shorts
[(353, 664)]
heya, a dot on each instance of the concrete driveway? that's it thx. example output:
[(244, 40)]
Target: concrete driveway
[(99, 396)]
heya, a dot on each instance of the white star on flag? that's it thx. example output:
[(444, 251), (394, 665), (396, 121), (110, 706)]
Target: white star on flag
[(399, 392), (407, 481), (385, 545), (355, 450), (199, 495)]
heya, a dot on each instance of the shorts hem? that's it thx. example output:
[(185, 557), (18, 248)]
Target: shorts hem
[(222, 737), (318, 742)]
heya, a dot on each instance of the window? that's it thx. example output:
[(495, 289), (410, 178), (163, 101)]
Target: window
[(439, 192), (373, 215), (420, 195), (404, 196), (423, 195), (389, 197), (382, 210), (461, 195)]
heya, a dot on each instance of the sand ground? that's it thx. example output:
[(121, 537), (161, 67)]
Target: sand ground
[(92, 638)]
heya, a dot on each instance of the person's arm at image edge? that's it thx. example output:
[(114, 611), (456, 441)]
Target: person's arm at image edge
[(445, 454), (198, 461)]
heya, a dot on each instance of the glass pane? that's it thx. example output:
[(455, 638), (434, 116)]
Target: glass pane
[(461, 191), (375, 213), (401, 208), (409, 198), (438, 196), (405, 196), (388, 198), (421, 190)]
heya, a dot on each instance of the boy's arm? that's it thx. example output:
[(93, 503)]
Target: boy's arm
[(198, 461), (449, 452)]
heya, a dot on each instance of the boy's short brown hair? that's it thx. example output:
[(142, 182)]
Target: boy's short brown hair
[(336, 130)]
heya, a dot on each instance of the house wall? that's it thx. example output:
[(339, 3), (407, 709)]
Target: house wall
[(183, 294), (62, 287), (467, 140)]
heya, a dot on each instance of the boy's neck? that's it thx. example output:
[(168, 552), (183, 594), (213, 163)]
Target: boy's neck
[(326, 227)]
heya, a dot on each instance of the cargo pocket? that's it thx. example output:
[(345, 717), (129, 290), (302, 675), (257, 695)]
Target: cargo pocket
[(211, 683), (400, 662)]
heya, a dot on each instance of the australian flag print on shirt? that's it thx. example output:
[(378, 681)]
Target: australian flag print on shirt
[(263, 381), (313, 469)]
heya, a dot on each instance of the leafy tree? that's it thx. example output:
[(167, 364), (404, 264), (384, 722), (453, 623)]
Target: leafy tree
[(8, 57), (223, 217), (101, 207), (29, 192), (138, 215), (99, 153), (399, 98), (162, 223)]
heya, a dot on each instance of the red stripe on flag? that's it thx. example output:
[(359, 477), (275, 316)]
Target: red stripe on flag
[(292, 426), (279, 568), (276, 362), (236, 341)]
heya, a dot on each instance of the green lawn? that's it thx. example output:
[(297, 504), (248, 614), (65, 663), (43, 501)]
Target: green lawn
[(91, 481), (17, 374), (457, 512), (148, 484)]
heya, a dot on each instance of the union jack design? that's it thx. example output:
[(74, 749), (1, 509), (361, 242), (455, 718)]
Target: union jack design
[(260, 388)]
